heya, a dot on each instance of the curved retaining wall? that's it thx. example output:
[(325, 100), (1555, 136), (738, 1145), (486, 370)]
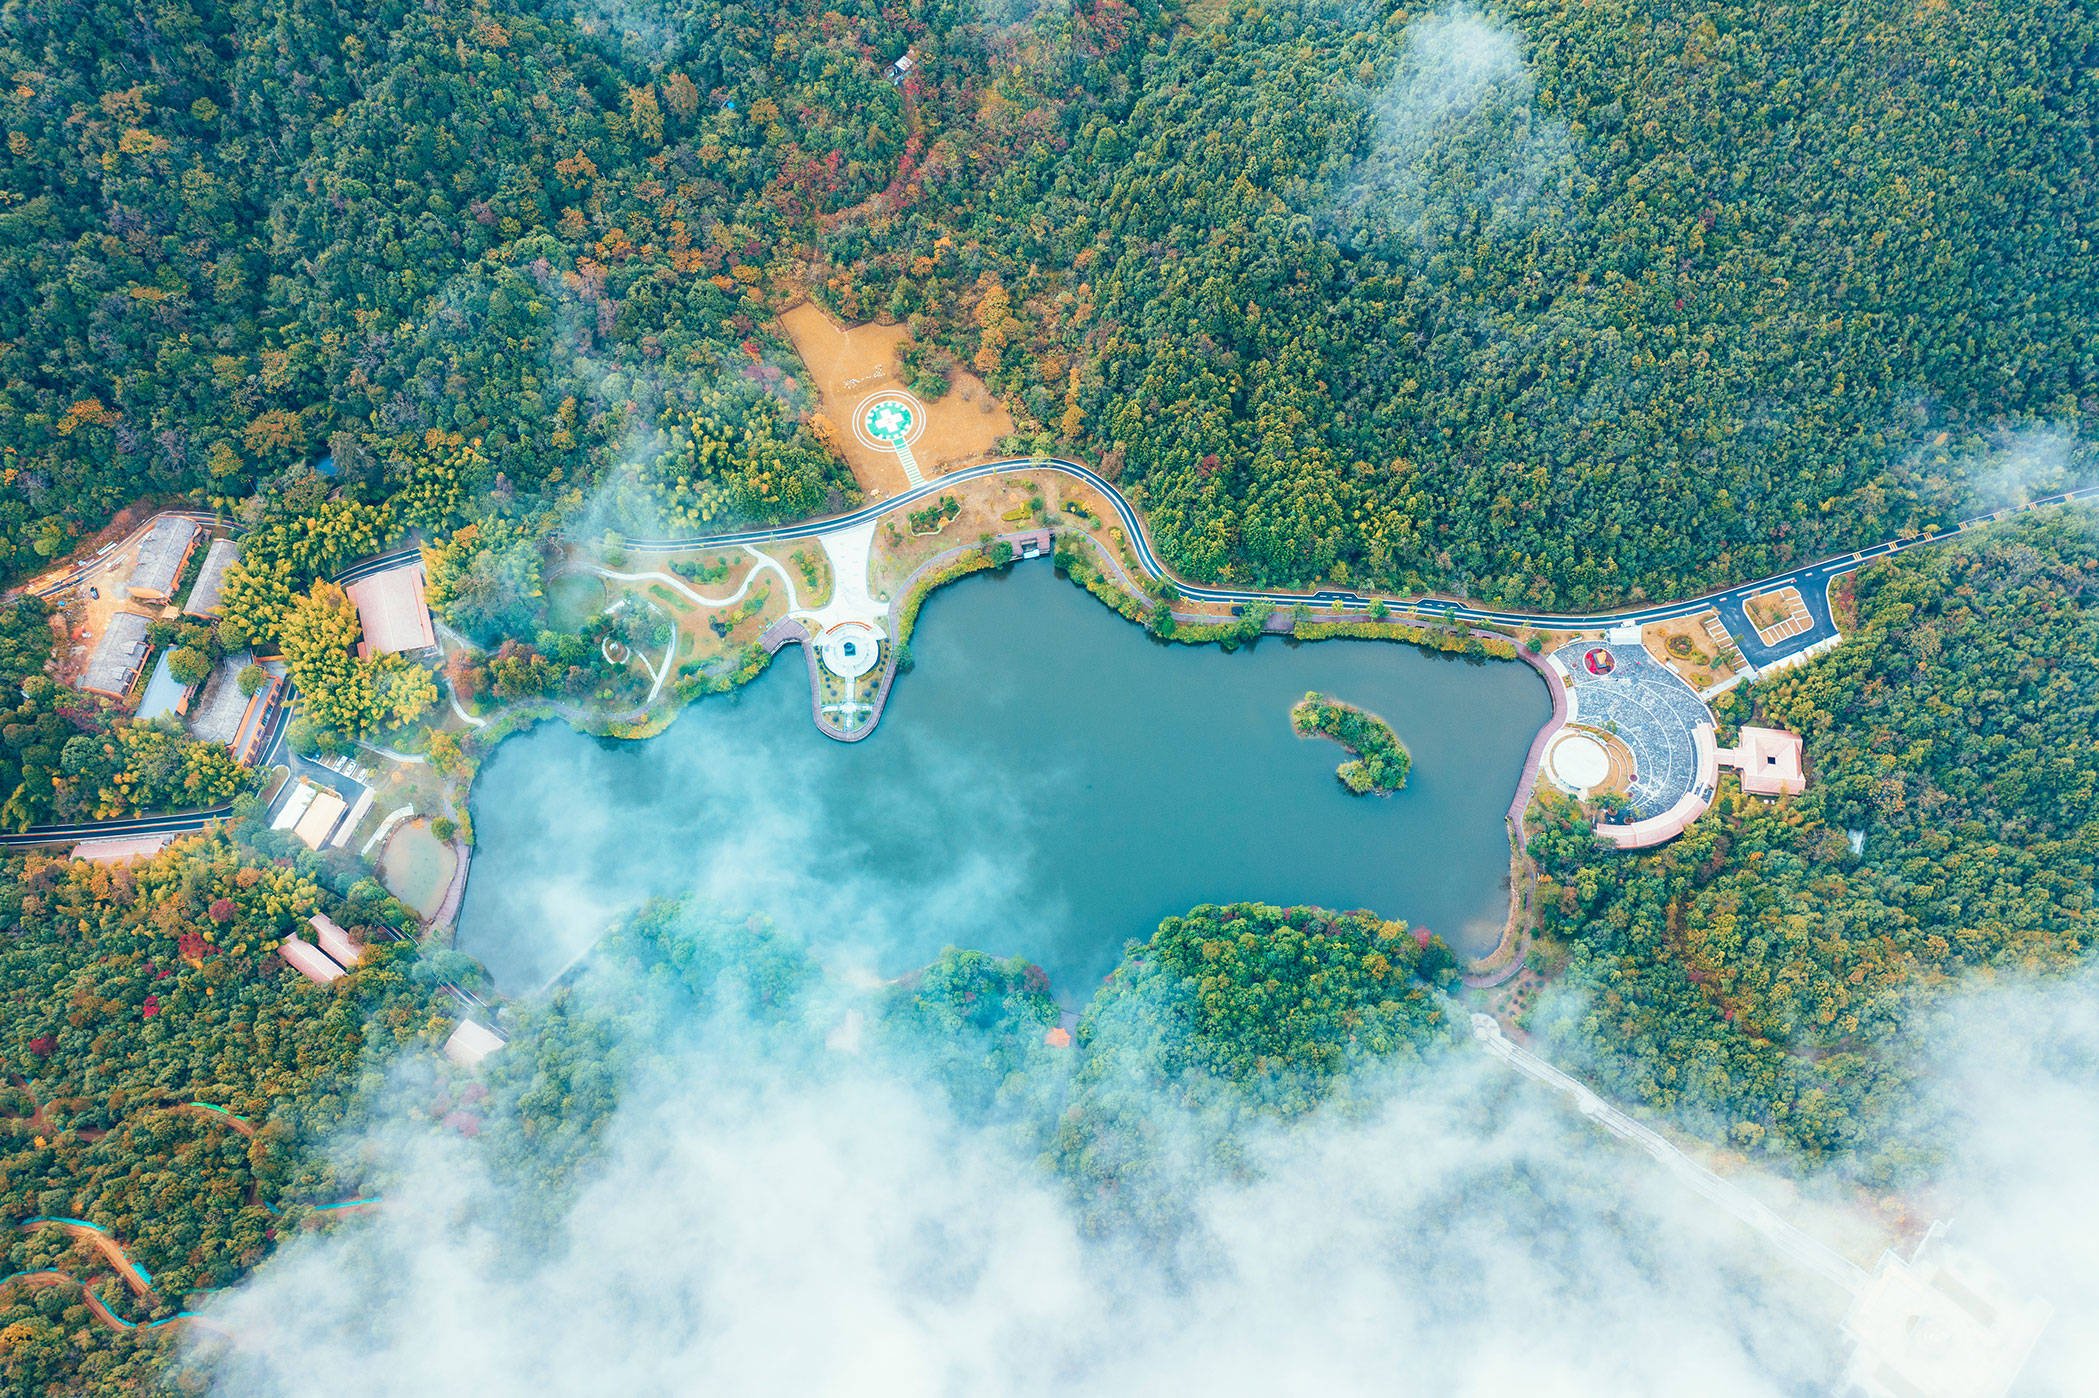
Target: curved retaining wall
[(1527, 783), (455, 892)]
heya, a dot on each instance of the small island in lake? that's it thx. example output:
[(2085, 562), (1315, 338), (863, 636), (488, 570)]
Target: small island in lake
[(1380, 762)]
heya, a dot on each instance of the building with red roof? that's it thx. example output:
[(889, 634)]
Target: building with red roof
[(307, 960), (392, 610), (340, 945), (1769, 760)]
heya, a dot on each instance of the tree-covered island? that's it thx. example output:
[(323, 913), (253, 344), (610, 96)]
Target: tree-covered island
[(1378, 760)]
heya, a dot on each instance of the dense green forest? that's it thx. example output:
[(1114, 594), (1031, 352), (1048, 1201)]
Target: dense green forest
[(1575, 302), (1769, 983), (1243, 1011), (1224, 1017), (1552, 303), (128, 994), (1548, 303)]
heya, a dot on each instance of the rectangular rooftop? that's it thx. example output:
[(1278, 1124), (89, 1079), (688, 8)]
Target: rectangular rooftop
[(118, 657), (210, 586), (391, 608), (161, 557)]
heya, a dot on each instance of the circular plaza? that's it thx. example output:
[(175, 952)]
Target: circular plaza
[(1578, 762), (889, 420), (849, 649)]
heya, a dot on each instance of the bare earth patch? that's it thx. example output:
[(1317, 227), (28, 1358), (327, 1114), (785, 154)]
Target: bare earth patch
[(847, 366)]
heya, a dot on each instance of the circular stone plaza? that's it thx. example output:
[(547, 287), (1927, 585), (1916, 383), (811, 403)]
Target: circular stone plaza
[(1577, 763), (849, 649)]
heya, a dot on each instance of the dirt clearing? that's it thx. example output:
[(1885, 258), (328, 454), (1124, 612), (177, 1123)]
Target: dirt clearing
[(847, 367)]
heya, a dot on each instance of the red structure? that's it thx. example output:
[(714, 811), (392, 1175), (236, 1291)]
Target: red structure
[(306, 959), (337, 943)]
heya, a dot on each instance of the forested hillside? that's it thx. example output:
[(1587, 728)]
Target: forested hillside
[(1553, 303), (1770, 983), (1574, 302), (64, 757), (128, 996), (470, 251), (1224, 1017)]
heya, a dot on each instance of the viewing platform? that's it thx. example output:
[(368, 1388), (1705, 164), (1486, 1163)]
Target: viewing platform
[(850, 643)]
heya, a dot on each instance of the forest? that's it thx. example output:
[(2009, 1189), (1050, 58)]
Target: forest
[(139, 1006), (1771, 976), (1547, 304), (1224, 1016), (117, 1022), (1551, 304), (65, 757)]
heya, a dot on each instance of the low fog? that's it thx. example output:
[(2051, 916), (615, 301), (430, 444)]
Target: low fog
[(725, 809), (766, 1212), (769, 1216), (2019, 467), (1456, 139)]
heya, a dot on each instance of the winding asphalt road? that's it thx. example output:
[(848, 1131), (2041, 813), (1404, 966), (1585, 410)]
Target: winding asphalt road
[(79, 571), (188, 822), (181, 823), (1811, 578)]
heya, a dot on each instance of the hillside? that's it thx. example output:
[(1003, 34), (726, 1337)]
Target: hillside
[(1770, 983), (1553, 304)]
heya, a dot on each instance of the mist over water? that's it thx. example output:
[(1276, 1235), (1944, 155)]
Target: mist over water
[(717, 1194), (1047, 782)]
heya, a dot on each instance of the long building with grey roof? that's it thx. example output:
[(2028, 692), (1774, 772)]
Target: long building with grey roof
[(114, 667), (161, 556), (211, 579)]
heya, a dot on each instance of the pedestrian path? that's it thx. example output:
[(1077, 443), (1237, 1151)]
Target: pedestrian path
[(910, 465), (1797, 1247)]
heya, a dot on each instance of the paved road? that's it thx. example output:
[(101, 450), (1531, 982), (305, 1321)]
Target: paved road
[(378, 563), (1796, 1246), (184, 823), (73, 577), (80, 570), (1811, 578)]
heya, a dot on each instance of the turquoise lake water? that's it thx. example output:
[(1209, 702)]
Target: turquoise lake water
[(1048, 782)]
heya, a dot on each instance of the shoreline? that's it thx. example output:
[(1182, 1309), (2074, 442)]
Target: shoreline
[(1301, 624)]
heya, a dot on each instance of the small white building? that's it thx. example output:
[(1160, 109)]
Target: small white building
[(1940, 1325), (207, 591), (161, 558), (471, 1042)]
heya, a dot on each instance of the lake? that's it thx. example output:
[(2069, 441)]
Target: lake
[(1047, 782)]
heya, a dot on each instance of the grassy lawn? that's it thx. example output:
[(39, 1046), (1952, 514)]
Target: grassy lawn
[(670, 597)]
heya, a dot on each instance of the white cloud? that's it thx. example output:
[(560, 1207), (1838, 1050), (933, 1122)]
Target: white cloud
[(766, 1218), (1457, 137), (2022, 466)]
